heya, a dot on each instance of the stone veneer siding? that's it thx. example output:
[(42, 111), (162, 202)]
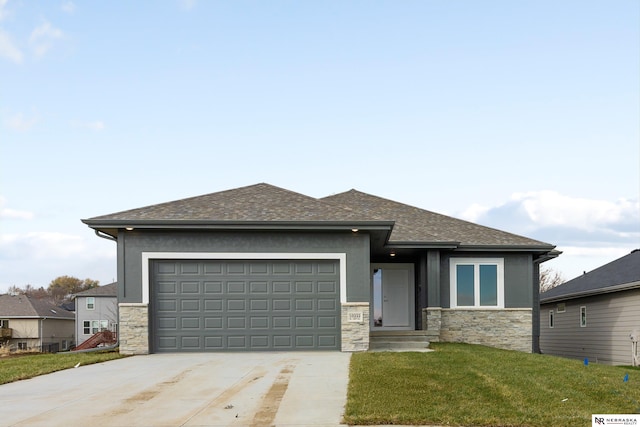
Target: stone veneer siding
[(134, 328), (355, 335), (509, 329)]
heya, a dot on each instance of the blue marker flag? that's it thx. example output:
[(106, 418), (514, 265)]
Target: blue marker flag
[(586, 361), (626, 378)]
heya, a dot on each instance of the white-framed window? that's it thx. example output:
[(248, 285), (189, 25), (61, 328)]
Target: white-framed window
[(562, 307), (22, 345), (583, 316), (551, 319), (4, 323), (90, 327), (477, 282), (91, 303), (65, 345)]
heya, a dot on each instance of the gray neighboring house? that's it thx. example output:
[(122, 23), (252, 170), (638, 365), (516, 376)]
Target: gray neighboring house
[(593, 315), (34, 324), (264, 268), (96, 310)]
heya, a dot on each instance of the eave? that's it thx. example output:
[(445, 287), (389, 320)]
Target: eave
[(592, 292), (111, 227)]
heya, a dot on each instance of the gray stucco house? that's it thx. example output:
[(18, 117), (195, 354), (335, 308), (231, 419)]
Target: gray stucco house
[(96, 310), (593, 315), (264, 268)]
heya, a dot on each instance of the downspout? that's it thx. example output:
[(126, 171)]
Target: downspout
[(117, 344)]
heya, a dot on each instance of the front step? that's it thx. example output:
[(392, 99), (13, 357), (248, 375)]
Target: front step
[(398, 340)]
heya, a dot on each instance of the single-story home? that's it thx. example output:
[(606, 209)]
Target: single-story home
[(593, 315), (265, 268), (33, 324), (96, 310)]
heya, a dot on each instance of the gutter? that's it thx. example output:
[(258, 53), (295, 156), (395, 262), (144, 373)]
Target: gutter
[(607, 290)]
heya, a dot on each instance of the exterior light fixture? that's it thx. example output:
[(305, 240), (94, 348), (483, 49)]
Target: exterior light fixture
[(129, 228), (355, 230), (392, 254)]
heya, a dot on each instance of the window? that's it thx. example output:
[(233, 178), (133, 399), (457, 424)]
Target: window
[(562, 307), (477, 282), (583, 316), (550, 318), (90, 327), (65, 345), (91, 303), (22, 345), (4, 323)]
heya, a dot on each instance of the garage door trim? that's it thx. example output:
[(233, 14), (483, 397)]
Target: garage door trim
[(148, 256)]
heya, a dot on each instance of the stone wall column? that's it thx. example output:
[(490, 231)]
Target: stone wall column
[(432, 322), (355, 326), (133, 329)]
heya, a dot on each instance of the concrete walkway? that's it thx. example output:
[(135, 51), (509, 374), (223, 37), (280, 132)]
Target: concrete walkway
[(214, 389)]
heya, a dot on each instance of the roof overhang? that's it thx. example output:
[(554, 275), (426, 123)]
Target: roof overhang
[(592, 292), (112, 227)]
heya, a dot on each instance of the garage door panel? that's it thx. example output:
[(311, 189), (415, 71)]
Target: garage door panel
[(235, 305)]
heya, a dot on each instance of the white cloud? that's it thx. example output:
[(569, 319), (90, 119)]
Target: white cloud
[(188, 4), (7, 213), (36, 258), (589, 232), (96, 125), (8, 49), (3, 12), (68, 7), (19, 122), (43, 37)]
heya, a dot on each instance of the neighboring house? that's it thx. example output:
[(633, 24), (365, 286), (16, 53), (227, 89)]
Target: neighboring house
[(593, 315), (34, 324), (264, 268), (96, 310)]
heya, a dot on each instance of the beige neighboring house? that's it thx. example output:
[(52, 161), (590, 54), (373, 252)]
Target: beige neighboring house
[(34, 324)]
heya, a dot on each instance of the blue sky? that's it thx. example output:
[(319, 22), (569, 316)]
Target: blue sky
[(523, 116)]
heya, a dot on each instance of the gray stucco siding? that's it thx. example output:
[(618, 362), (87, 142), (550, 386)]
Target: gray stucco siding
[(132, 244), (518, 277)]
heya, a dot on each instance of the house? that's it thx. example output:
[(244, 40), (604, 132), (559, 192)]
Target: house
[(34, 324), (264, 268), (593, 315), (96, 310)]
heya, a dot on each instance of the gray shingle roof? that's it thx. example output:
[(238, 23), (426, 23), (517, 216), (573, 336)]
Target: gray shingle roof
[(264, 203), (25, 307), (259, 202), (616, 275), (110, 290), (413, 224)]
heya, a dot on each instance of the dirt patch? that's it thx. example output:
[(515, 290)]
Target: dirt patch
[(271, 401)]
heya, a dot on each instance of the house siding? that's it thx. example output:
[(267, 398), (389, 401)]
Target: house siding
[(106, 308), (605, 339), (54, 331)]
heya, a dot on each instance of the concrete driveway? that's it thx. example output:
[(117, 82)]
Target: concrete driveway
[(216, 389)]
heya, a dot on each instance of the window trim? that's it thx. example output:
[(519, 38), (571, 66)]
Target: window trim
[(583, 316), (551, 319), (86, 326), (91, 303), (561, 307), (476, 262)]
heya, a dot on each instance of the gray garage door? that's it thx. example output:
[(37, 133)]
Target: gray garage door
[(239, 305)]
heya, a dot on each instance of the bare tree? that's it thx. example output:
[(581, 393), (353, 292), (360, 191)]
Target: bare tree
[(550, 278)]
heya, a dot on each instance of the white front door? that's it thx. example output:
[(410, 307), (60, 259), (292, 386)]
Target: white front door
[(393, 297)]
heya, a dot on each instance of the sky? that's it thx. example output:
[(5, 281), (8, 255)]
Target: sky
[(518, 115)]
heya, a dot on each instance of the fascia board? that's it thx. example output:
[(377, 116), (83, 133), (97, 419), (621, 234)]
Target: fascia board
[(593, 292)]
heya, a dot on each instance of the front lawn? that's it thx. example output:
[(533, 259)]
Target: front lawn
[(468, 385), (20, 367)]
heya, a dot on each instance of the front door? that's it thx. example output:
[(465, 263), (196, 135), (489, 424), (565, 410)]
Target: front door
[(393, 297)]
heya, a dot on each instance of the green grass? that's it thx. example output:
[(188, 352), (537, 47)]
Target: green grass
[(468, 385), (21, 367)]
